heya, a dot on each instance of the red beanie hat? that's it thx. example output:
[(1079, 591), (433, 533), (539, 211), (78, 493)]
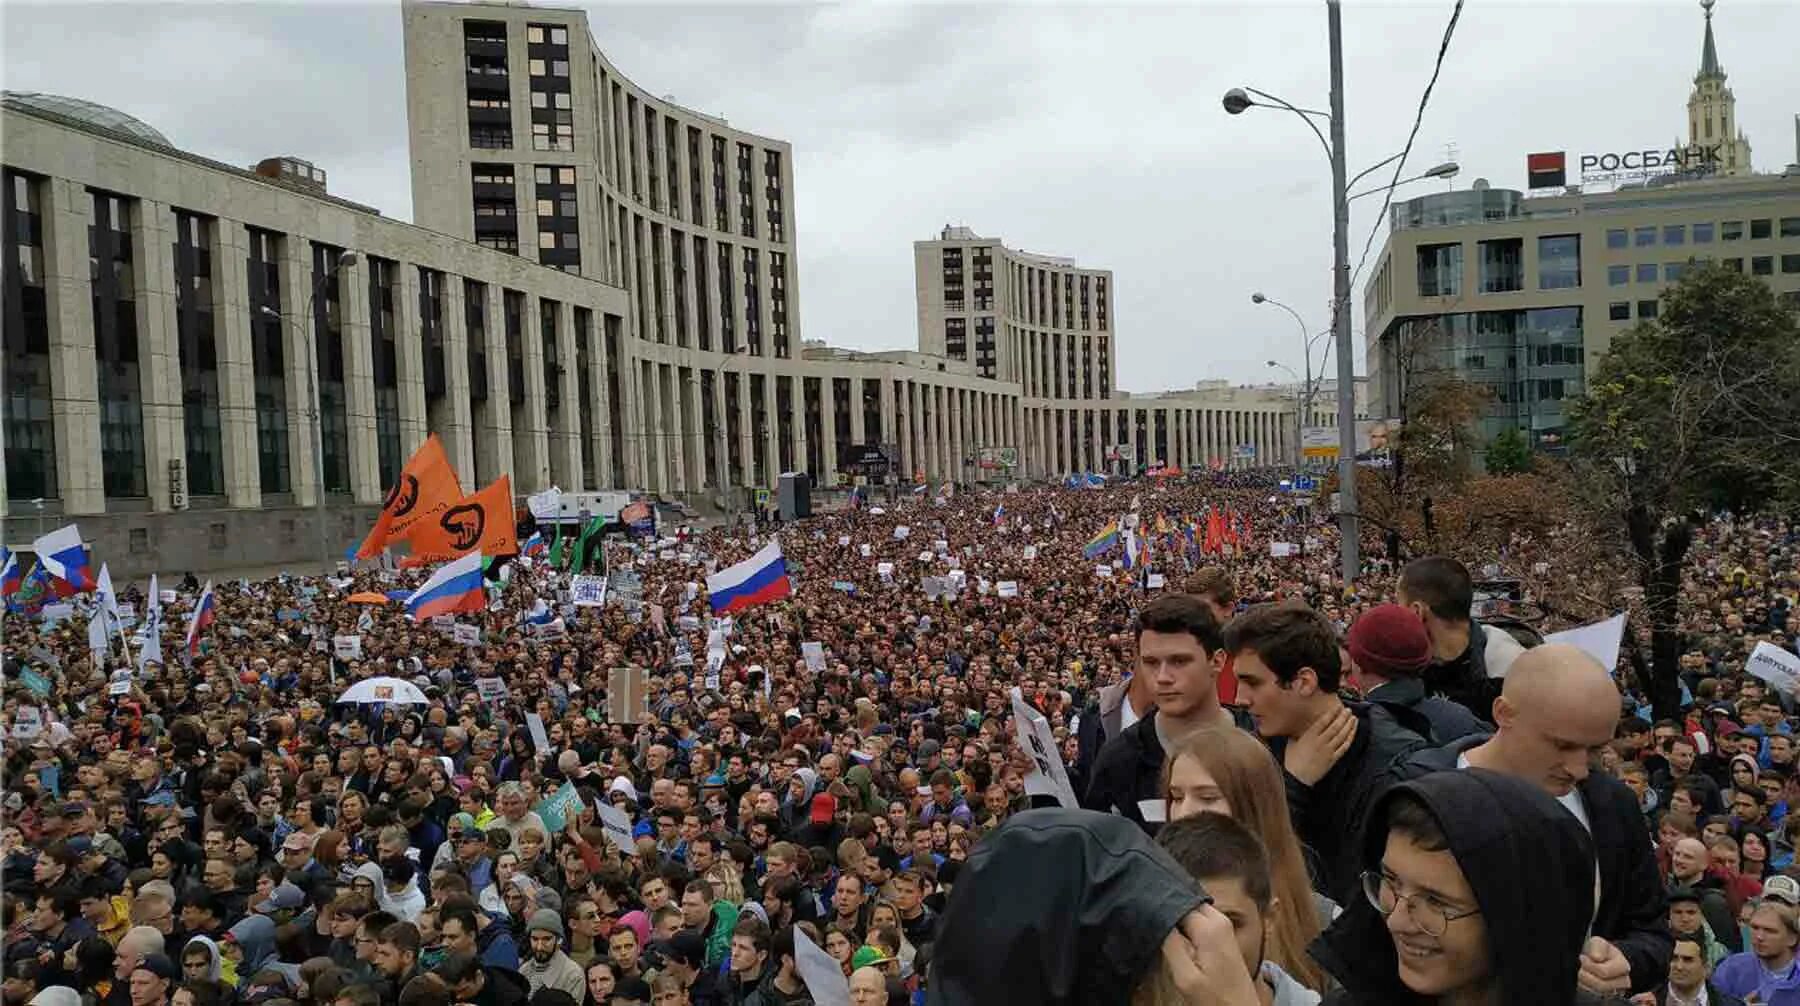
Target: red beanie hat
[(824, 808), (1390, 641)]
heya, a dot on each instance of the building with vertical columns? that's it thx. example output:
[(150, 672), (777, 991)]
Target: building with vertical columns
[(165, 319), (1044, 324)]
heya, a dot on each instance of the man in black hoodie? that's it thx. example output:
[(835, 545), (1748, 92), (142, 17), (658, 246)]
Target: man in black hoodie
[(1476, 887), (1559, 707), (1337, 757)]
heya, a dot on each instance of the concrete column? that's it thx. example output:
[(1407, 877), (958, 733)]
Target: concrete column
[(828, 450), (858, 425), (237, 365), (299, 363), (803, 438), (674, 425), (915, 430), (601, 400), (409, 359), (746, 436), (74, 377), (452, 422), (498, 431), (722, 458), (531, 445), (568, 431), (771, 432), (359, 384), (884, 394), (693, 436), (651, 427), (152, 229)]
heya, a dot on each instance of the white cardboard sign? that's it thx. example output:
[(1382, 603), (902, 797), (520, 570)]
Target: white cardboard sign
[(1048, 777), (347, 647)]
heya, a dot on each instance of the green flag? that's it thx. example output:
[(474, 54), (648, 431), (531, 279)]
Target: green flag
[(556, 548), (581, 549)]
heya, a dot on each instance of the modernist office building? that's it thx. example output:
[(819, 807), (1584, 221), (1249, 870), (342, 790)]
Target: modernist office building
[(525, 138), (1523, 293), (600, 292)]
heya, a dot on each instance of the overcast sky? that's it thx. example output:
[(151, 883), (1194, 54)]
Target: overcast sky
[(1088, 131)]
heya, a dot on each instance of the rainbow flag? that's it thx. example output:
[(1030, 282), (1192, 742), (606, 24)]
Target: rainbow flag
[(1103, 542)]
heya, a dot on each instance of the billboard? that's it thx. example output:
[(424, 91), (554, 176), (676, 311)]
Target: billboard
[(1372, 437), (1547, 171), (997, 458)]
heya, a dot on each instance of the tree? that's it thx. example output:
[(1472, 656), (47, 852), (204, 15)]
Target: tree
[(1509, 453), (1699, 409)]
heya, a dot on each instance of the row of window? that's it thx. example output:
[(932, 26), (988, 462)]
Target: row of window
[(1647, 272), (1700, 233)]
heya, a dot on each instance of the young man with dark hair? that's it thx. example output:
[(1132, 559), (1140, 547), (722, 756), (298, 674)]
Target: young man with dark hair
[(749, 960), (1232, 867), (1178, 656), (1469, 660), (1337, 757)]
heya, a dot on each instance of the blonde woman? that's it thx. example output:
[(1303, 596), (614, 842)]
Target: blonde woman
[(1227, 771)]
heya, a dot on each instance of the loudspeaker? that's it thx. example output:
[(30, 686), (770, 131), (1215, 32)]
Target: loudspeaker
[(794, 495)]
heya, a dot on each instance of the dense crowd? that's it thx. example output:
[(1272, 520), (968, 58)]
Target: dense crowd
[(1295, 789)]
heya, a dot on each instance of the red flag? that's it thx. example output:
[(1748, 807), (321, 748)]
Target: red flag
[(1215, 533)]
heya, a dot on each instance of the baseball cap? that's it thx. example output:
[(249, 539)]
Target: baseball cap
[(1782, 888), (74, 808), (867, 955), (688, 948), (1389, 640), (160, 966), (298, 841), (161, 798), (284, 898), (81, 845), (929, 748), (824, 807)]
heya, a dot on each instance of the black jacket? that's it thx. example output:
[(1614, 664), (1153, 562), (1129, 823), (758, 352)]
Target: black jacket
[(1447, 720), (1713, 996), (1530, 865), (1058, 908), (1634, 910), (1328, 816), (1129, 769)]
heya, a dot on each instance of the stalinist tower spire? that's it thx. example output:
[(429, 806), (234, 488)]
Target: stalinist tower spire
[(1714, 142)]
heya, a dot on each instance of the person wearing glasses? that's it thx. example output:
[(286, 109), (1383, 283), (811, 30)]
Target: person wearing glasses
[(1477, 887)]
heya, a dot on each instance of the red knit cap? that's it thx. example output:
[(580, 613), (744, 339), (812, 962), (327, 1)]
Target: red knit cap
[(1390, 641)]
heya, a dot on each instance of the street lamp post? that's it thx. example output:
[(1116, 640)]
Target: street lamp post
[(344, 261), (1310, 383), (1236, 101)]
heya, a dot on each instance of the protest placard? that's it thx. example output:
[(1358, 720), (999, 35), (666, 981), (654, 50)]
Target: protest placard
[(491, 690), (616, 825), (466, 635), (1282, 549), (1777, 666), (28, 722), (865, 550), (1154, 581), (814, 652), (443, 623), (37, 683), (587, 591), (1048, 777), (1104, 571), (535, 724), (902, 532), (1029, 553), (1007, 588), (558, 807), (347, 647), (1599, 640), (843, 539)]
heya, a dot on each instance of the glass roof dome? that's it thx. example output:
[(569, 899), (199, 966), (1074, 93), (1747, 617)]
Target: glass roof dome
[(89, 112)]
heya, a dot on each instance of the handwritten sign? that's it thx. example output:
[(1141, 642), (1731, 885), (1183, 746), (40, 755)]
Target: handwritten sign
[(587, 591), (466, 635), (491, 690)]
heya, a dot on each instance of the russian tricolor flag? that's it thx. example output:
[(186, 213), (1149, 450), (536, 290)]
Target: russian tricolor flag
[(11, 576), (455, 587), (999, 514), (65, 558), (203, 617), (757, 580)]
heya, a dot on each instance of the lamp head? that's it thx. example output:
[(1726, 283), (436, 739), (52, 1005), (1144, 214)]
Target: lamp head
[(1448, 169), (1236, 100), (1257, 298)]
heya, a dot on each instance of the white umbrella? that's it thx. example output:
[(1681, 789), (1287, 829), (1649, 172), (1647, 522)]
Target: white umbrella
[(384, 689)]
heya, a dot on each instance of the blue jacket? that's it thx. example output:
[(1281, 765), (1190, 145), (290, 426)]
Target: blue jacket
[(1742, 974)]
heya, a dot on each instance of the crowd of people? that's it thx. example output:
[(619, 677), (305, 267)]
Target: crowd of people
[(1291, 789)]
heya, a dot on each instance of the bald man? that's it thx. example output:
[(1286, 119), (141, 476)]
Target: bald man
[(868, 987), (1556, 710)]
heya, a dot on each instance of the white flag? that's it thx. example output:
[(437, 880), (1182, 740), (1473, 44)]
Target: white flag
[(151, 649)]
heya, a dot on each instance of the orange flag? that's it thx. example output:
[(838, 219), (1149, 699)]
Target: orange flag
[(480, 522), (426, 488)]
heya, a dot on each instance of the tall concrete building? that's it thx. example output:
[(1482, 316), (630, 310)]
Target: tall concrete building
[(526, 138), (214, 367), (1522, 292)]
